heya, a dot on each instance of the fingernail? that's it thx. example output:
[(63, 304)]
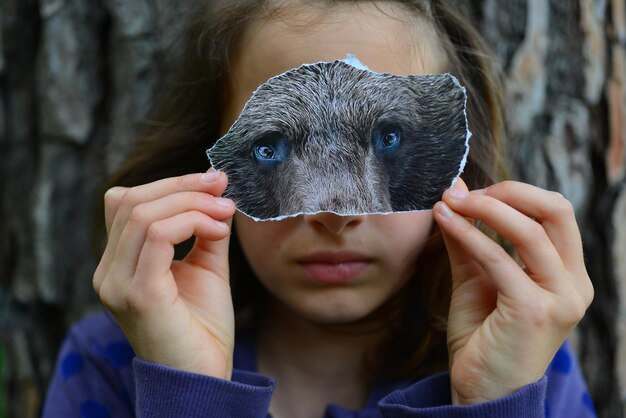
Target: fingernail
[(458, 194), (210, 176), (222, 225), (445, 211), (225, 203)]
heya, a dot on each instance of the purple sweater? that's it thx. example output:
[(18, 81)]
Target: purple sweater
[(98, 376)]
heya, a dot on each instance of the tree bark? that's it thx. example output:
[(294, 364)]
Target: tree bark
[(78, 77)]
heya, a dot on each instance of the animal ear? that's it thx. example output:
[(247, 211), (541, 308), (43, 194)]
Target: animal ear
[(435, 82), (435, 93), (426, 7)]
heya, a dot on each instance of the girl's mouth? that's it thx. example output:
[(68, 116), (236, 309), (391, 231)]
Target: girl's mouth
[(335, 267)]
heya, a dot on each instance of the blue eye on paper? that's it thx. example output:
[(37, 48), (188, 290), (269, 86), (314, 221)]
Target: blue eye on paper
[(265, 152), (272, 148), (387, 138), (391, 139)]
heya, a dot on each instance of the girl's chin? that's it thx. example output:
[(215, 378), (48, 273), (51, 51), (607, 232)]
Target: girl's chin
[(338, 306), (343, 318), (327, 312)]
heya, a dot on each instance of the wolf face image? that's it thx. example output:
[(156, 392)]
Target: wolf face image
[(331, 137)]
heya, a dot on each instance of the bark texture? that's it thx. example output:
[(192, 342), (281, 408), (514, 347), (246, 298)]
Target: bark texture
[(78, 77)]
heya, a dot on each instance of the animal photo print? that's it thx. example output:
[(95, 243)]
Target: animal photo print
[(338, 137)]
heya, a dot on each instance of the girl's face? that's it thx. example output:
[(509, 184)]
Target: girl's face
[(328, 268)]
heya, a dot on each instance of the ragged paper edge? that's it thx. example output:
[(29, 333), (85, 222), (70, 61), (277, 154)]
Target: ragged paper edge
[(352, 60), (468, 133)]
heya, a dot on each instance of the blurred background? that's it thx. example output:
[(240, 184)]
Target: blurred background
[(78, 77)]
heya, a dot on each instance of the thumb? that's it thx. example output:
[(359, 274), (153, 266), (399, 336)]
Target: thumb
[(459, 258), (460, 184)]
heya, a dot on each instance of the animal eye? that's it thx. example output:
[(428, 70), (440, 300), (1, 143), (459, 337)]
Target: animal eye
[(387, 137), (264, 152), (270, 149), (391, 138)]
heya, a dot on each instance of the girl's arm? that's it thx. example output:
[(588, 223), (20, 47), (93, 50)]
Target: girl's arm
[(92, 373), (98, 376), (177, 315), (561, 393), (508, 321)]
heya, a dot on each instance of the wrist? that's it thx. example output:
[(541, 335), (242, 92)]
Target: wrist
[(201, 369), (213, 366), (470, 394)]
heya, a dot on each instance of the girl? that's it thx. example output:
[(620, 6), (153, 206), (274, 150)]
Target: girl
[(437, 321)]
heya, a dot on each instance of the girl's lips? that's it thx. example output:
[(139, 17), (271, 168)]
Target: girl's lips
[(334, 266), (335, 273)]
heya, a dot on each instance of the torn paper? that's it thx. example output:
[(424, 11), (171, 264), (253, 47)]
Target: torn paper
[(338, 137)]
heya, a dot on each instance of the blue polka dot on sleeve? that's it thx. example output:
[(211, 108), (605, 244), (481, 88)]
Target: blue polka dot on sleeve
[(71, 364), (562, 361), (93, 409), (586, 399), (567, 393), (119, 353), (125, 397), (93, 373)]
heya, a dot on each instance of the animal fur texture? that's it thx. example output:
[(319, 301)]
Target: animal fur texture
[(332, 137)]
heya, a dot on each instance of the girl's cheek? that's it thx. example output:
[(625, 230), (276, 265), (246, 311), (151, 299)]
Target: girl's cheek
[(262, 241)]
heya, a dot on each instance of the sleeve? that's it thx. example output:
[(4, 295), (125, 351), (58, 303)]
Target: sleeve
[(166, 392), (86, 381), (98, 376), (560, 393)]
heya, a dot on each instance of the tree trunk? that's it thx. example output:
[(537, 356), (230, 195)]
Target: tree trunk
[(77, 77)]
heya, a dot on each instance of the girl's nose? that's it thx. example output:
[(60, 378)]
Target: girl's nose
[(334, 224)]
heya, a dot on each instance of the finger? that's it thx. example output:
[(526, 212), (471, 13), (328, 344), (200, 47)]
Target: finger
[(459, 184), (211, 255), (505, 273), (529, 238), (462, 186), (556, 215), (462, 264), (459, 259), (157, 253), (552, 211), (146, 214), (212, 182), (112, 201)]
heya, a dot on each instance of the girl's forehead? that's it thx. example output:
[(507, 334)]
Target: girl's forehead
[(384, 37)]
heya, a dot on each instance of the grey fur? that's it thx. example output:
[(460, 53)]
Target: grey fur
[(325, 117)]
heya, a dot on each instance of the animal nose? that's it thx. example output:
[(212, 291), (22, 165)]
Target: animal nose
[(334, 224), (344, 203)]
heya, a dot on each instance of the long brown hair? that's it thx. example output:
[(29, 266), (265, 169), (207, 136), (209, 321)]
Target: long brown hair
[(187, 121)]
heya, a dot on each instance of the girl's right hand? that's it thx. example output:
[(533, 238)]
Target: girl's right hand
[(176, 313)]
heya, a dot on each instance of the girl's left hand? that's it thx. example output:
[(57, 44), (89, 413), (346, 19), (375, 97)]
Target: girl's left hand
[(507, 321)]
